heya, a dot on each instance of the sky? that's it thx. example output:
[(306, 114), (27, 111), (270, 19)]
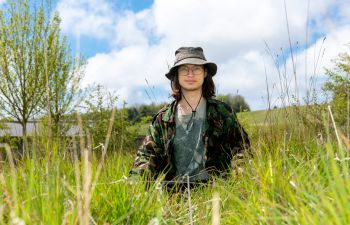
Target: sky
[(264, 49)]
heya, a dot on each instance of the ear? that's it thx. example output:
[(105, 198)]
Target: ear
[(205, 73)]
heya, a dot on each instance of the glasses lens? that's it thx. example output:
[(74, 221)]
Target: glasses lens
[(183, 70), (196, 70)]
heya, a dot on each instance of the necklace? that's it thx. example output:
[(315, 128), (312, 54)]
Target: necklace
[(190, 122), (195, 109)]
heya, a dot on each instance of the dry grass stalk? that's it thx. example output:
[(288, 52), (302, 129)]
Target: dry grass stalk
[(85, 186), (189, 200), (216, 209), (334, 126), (104, 148), (13, 205), (77, 171), (14, 209)]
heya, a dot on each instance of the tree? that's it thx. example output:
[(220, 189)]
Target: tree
[(21, 61), (37, 71), (63, 76), (237, 102), (338, 85)]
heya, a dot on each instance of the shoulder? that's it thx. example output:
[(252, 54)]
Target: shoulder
[(220, 111), (219, 106), (164, 114)]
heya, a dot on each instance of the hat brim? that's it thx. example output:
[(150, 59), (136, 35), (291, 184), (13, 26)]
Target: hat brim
[(212, 68)]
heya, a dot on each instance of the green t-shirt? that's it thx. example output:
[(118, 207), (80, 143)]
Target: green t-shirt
[(189, 146)]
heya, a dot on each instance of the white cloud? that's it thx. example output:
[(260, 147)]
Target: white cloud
[(132, 28), (93, 18), (232, 34), (99, 19), (129, 66)]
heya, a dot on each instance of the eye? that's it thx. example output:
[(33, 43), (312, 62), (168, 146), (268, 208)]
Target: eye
[(197, 69), (183, 69)]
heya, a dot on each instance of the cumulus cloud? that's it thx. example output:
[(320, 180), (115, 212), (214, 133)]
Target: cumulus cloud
[(93, 18), (134, 28), (232, 34)]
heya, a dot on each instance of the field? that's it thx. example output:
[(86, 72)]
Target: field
[(297, 174)]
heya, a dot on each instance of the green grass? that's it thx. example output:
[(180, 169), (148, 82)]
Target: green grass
[(254, 117), (292, 177), (280, 115)]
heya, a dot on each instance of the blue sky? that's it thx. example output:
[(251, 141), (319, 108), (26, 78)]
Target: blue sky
[(129, 44)]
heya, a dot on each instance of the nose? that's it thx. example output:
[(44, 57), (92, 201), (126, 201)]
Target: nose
[(190, 71)]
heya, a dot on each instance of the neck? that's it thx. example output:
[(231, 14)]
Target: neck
[(193, 99)]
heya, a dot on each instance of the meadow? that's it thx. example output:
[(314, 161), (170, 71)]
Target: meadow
[(297, 170), (297, 173)]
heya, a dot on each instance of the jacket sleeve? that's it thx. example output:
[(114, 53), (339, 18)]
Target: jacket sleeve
[(239, 140), (147, 158)]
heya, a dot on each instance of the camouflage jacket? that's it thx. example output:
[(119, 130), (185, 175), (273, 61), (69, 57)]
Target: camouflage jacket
[(224, 139)]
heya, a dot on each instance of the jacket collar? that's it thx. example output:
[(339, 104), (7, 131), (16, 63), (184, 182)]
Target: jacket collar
[(169, 113)]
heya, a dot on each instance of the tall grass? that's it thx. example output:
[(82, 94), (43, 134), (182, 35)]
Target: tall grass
[(290, 179)]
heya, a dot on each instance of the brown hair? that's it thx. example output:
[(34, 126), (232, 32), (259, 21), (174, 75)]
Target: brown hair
[(208, 87)]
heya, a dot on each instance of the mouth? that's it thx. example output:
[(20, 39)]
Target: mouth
[(190, 81)]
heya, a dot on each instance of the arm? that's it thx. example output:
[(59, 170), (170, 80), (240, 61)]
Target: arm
[(147, 160), (239, 136), (239, 140)]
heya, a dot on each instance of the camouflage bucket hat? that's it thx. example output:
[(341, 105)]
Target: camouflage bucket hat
[(191, 55)]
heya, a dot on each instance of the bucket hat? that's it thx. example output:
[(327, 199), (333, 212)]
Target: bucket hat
[(191, 55)]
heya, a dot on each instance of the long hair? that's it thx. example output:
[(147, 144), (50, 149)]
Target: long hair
[(208, 87)]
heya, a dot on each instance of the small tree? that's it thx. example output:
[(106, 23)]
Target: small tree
[(99, 106), (21, 60), (338, 85)]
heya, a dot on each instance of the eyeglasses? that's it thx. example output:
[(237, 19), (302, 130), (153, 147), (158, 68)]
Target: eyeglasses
[(185, 70)]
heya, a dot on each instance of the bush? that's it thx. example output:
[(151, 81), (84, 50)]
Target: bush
[(237, 102), (338, 85)]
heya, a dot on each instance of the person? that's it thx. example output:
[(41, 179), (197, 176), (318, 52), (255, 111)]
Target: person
[(196, 136)]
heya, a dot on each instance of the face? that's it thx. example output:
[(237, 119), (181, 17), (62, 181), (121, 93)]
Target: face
[(191, 77)]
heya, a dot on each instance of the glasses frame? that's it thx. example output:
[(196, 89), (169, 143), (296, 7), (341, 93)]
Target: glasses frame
[(202, 69)]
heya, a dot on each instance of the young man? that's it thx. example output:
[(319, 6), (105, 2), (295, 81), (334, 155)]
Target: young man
[(195, 136)]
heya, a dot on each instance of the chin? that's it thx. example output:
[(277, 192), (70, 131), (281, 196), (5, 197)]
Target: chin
[(191, 88)]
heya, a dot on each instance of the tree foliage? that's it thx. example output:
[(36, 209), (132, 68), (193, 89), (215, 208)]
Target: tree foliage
[(237, 102), (139, 113), (338, 85), (21, 60)]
